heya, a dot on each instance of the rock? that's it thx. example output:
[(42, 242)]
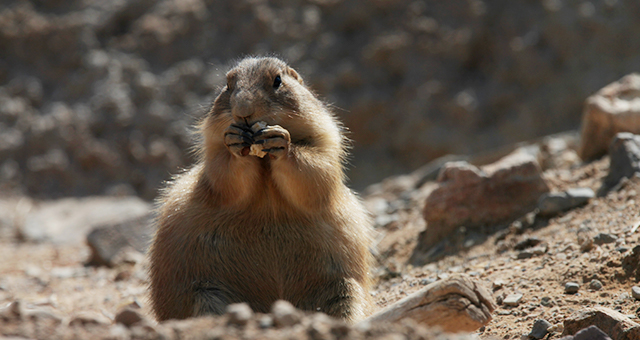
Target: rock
[(527, 243), (512, 300), (624, 153), (546, 301), (471, 197), (616, 325), (591, 333), (571, 288), (595, 284), (540, 329), (525, 254), (285, 314), (635, 292), (604, 238), (239, 313), (89, 317), (539, 250), (265, 321), (454, 304), (613, 109), (107, 242), (68, 220), (553, 203), (128, 317), (630, 263)]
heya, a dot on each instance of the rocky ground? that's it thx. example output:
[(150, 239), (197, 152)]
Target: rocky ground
[(96, 99), (47, 290)]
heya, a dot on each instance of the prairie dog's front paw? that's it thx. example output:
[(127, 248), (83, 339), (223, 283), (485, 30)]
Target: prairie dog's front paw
[(238, 139), (270, 139)]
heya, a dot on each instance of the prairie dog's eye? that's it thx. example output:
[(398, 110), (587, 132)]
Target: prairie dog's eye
[(277, 82)]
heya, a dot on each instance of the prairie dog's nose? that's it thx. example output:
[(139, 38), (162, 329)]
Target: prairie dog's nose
[(242, 104)]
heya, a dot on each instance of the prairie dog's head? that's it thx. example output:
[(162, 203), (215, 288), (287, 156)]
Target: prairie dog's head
[(268, 90), (261, 89)]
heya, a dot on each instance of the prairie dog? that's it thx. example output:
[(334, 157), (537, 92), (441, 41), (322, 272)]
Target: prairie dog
[(238, 227)]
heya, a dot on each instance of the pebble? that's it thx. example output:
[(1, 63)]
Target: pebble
[(571, 288), (635, 292), (497, 284), (239, 313), (546, 301), (540, 329), (525, 254), (128, 317), (512, 299), (284, 314), (604, 238), (595, 284), (265, 321), (554, 203), (527, 243)]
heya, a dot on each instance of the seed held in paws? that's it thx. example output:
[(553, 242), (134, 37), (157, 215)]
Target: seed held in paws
[(256, 150)]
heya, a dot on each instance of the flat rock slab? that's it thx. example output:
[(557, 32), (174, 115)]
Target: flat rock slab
[(69, 220), (512, 300), (613, 109), (455, 304), (614, 324)]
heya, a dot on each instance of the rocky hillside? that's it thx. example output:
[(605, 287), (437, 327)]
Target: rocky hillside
[(552, 238), (97, 96)]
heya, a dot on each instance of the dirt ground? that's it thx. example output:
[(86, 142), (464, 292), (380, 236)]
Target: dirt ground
[(54, 278)]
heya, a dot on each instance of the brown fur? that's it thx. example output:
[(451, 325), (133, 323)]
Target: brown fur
[(238, 228)]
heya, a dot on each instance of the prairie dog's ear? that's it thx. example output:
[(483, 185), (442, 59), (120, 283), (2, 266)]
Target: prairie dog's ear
[(294, 74)]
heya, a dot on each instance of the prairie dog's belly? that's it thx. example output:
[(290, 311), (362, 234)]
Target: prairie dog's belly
[(274, 260)]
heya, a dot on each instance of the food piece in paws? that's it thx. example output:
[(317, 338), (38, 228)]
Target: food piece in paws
[(256, 150), (257, 126)]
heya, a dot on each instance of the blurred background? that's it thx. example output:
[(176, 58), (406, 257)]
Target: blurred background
[(97, 97)]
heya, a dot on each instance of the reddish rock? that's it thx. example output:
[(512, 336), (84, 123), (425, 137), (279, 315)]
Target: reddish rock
[(614, 324), (470, 196), (613, 109)]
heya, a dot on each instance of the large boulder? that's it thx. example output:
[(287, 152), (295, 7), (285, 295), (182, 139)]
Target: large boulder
[(624, 152), (613, 109), (472, 197)]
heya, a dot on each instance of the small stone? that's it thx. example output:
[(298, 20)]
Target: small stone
[(497, 284), (128, 317), (525, 254), (556, 202), (571, 288), (87, 318), (540, 250), (512, 299), (284, 314), (635, 292), (540, 329), (527, 243), (265, 322), (239, 313), (546, 301), (595, 284), (604, 238)]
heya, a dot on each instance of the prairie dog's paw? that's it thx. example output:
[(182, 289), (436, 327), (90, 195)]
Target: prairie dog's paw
[(238, 139), (271, 139)]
